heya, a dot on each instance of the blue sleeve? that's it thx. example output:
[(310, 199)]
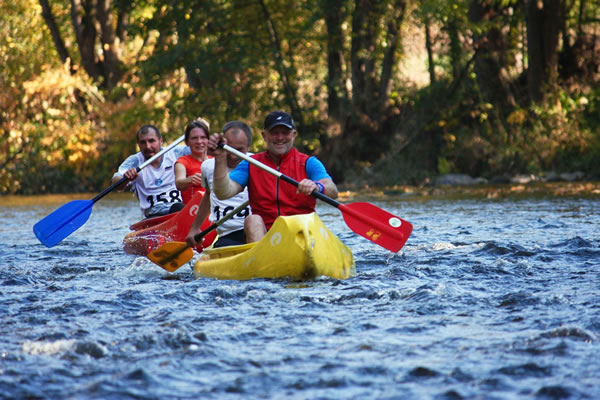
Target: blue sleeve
[(240, 173), (316, 170)]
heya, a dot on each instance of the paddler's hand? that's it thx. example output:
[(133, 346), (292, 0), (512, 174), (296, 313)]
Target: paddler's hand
[(307, 186), (196, 179), (213, 143), (131, 174), (190, 237)]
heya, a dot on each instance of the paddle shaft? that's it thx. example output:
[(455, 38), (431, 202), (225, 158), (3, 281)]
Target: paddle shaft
[(65, 220), (365, 219), (315, 193), (205, 232), (221, 221), (139, 168)]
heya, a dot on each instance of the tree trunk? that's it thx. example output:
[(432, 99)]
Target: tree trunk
[(61, 49), (83, 19), (288, 86), (490, 64), (543, 29), (337, 95), (363, 116), (111, 66), (123, 20), (429, 48), (455, 45), (389, 58), (364, 25)]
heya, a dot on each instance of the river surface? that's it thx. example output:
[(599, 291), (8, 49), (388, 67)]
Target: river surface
[(489, 299)]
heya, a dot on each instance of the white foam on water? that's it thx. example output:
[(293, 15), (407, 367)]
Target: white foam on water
[(48, 348)]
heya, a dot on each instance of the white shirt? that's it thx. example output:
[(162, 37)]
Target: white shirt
[(220, 208), (155, 187)]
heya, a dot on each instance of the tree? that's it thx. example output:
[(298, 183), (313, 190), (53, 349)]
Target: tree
[(493, 51), (543, 32), (361, 114), (95, 32)]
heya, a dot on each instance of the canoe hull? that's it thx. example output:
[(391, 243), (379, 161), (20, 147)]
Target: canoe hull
[(174, 227), (297, 247)]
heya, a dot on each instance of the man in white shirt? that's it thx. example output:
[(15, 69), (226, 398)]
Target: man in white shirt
[(231, 232), (155, 184)]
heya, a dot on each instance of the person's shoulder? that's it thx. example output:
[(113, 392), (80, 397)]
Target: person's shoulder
[(313, 159), (136, 156), (183, 159), (180, 151), (131, 161), (316, 169)]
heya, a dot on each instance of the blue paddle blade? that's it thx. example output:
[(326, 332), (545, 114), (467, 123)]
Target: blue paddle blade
[(63, 221)]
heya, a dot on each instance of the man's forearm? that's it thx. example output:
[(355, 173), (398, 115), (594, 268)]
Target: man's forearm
[(224, 187), (330, 188)]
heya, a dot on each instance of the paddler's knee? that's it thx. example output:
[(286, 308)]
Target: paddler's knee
[(255, 228)]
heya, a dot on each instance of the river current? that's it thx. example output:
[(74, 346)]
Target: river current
[(489, 299)]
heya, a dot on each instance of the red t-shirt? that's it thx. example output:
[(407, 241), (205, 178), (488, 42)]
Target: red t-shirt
[(192, 166)]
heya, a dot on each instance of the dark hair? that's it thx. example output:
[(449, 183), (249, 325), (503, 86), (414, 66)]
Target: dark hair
[(241, 126), (146, 129), (195, 124)]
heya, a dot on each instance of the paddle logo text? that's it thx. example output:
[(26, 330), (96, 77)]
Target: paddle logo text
[(373, 234)]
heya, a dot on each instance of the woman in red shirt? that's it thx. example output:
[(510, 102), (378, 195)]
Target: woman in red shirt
[(188, 177)]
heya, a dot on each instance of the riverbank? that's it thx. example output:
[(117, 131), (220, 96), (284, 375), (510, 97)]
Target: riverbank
[(586, 189), (480, 190)]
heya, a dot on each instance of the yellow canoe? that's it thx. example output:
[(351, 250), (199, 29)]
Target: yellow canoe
[(297, 247)]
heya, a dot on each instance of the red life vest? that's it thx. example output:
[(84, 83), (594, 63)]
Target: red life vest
[(271, 197)]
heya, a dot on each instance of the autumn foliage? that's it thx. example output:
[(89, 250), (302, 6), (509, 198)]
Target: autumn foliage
[(384, 92)]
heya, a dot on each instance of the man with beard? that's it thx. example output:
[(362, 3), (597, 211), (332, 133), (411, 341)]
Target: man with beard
[(155, 184)]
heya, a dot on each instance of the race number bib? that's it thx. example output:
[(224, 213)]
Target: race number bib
[(174, 196), (221, 213)]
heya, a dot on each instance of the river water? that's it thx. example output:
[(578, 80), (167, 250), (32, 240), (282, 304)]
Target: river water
[(489, 299)]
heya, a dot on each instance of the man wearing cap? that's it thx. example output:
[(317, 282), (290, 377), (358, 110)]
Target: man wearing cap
[(269, 196)]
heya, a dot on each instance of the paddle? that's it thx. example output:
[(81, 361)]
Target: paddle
[(71, 216), (365, 219), (173, 255)]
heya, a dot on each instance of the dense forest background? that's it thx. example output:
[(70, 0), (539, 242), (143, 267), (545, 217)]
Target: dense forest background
[(385, 92)]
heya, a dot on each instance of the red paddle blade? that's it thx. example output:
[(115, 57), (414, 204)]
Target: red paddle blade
[(377, 225)]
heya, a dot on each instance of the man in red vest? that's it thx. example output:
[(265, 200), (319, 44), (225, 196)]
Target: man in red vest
[(269, 196)]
